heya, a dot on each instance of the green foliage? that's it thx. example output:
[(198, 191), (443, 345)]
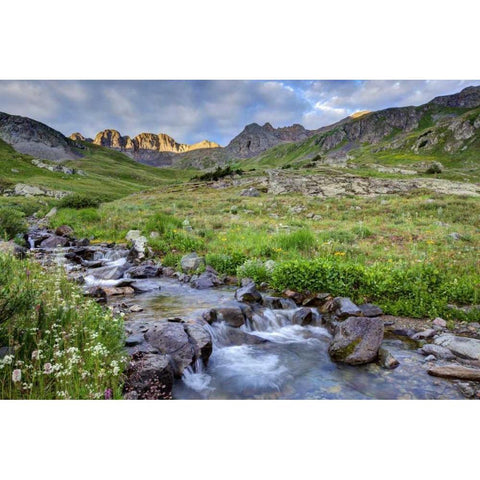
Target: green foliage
[(171, 260), (162, 223), (254, 269), (225, 263), (434, 168), (414, 290), (5, 184), (63, 345), (79, 201), (301, 240), (12, 223), (218, 173)]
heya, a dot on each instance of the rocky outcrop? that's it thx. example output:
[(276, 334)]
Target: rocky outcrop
[(34, 138), (24, 190), (57, 168), (326, 186), (150, 148)]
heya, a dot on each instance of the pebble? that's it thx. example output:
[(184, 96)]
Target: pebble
[(136, 308), (430, 358), (440, 322)]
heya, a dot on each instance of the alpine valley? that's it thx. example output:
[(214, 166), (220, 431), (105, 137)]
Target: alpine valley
[(339, 262)]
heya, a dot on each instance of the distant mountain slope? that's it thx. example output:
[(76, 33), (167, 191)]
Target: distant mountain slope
[(34, 138), (255, 139), (444, 126)]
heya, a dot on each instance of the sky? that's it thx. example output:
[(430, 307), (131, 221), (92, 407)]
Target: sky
[(217, 110)]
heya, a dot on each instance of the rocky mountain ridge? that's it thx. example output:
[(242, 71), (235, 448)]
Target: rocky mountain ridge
[(31, 137), (147, 141)]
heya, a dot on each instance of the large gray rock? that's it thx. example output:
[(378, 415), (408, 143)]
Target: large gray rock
[(437, 351), (249, 294), (343, 307), (54, 241), (201, 341), (303, 316), (206, 280), (370, 310), (170, 339), (139, 245), (357, 340), (191, 262), (151, 377), (146, 269), (232, 316), (463, 347)]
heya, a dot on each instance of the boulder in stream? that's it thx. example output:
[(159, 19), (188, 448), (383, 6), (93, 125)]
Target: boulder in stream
[(437, 351), (356, 340), (248, 293), (370, 310), (303, 316), (146, 269), (54, 241), (386, 359), (463, 347), (232, 316), (343, 307), (171, 339), (201, 341)]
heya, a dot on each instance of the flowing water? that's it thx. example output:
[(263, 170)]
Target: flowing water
[(291, 363)]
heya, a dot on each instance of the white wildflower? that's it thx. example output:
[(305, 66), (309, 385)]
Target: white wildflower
[(16, 375)]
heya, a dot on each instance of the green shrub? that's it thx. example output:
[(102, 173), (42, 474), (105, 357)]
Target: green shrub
[(218, 173), (254, 269), (413, 290), (225, 263), (78, 201), (12, 223)]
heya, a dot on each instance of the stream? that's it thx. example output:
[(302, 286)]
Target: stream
[(285, 360)]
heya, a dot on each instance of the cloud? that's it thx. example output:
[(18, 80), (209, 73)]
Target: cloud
[(191, 111)]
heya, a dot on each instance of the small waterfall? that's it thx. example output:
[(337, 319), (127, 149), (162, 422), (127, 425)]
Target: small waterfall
[(31, 242), (196, 378), (268, 320)]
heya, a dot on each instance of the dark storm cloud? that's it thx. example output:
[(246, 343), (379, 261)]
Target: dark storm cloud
[(191, 111)]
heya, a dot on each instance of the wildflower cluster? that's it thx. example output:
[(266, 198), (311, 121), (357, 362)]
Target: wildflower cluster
[(61, 345)]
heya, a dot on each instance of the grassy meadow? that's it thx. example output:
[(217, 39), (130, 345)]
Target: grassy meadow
[(412, 254)]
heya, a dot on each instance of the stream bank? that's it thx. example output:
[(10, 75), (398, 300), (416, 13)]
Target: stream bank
[(200, 337)]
